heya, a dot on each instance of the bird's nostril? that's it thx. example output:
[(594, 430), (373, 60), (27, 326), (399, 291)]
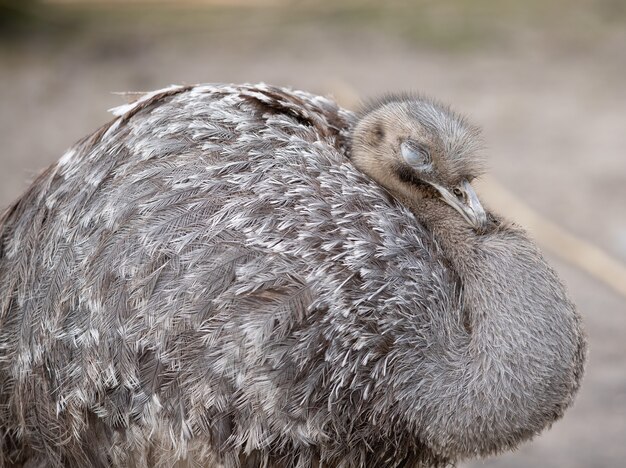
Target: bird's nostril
[(458, 192)]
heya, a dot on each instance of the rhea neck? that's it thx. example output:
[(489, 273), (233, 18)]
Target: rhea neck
[(447, 227)]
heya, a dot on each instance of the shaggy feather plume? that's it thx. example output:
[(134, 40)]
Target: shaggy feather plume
[(207, 280)]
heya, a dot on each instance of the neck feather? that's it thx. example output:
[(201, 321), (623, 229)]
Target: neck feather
[(520, 362)]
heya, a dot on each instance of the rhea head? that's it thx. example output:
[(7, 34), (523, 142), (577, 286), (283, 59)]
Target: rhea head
[(418, 149)]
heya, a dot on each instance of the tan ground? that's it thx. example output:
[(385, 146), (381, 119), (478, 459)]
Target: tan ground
[(546, 83)]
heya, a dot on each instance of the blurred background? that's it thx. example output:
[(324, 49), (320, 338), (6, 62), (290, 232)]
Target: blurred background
[(544, 79)]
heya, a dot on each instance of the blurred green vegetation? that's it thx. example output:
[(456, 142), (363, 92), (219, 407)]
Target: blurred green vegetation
[(15, 15), (452, 25)]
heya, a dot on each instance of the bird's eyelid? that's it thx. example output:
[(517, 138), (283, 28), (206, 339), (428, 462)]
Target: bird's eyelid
[(415, 154)]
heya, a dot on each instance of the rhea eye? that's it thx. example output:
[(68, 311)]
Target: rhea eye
[(415, 154), (458, 192)]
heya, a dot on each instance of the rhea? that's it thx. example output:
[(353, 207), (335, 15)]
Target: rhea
[(252, 276)]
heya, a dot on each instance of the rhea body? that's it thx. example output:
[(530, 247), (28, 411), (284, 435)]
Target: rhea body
[(208, 280)]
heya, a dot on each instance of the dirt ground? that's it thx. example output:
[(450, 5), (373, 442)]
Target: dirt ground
[(546, 85)]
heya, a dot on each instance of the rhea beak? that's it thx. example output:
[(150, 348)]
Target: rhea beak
[(466, 202)]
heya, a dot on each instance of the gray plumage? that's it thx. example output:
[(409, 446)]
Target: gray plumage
[(207, 279)]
